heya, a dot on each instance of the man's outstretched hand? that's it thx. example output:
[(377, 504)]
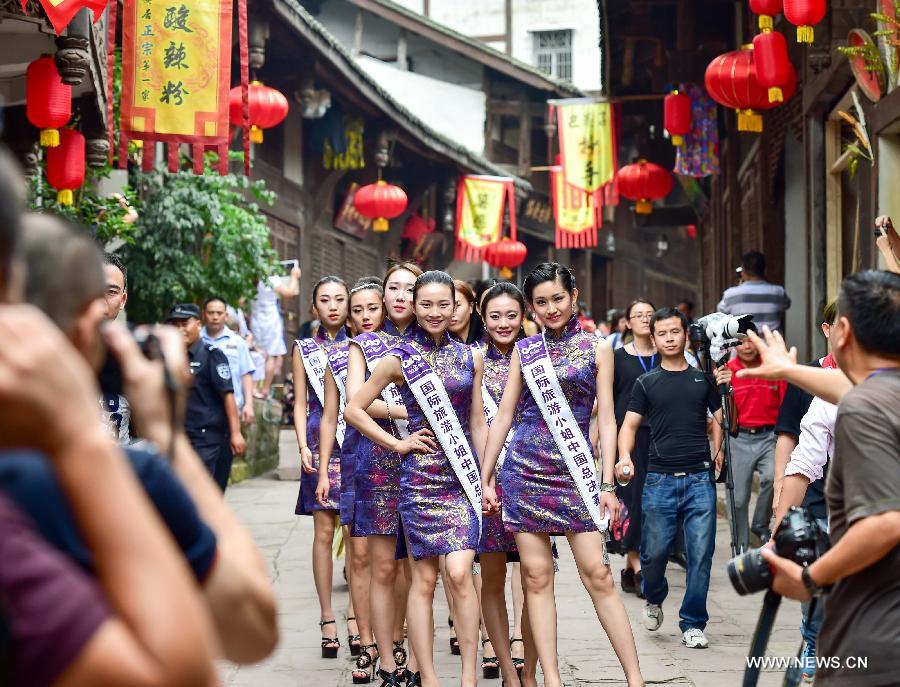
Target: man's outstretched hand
[(775, 356)]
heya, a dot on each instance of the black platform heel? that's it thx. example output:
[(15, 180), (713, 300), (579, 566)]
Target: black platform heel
[(330, 645), (389, 679), (353, 641), (518, 663), (413, 679), (490, 666), (364, 672)]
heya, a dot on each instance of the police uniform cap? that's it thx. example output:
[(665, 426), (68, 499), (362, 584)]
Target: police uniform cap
[(183, 311)]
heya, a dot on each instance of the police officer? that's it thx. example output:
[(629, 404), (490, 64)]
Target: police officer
[(218, 334), (211, 420)]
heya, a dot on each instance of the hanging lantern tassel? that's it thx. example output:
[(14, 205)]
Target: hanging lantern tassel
[(48, 101), (380, 202), (65, 165), (750, 120), (766, 9), (804, 14)]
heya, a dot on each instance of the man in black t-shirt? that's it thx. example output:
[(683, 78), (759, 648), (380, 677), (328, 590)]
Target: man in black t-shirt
[(675, 398)]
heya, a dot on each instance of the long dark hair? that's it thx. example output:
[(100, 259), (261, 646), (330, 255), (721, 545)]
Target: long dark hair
[(504, 288), (476, 325), (548, 271)]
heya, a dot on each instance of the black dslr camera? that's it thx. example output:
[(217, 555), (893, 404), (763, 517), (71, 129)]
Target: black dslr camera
[(798, 538)]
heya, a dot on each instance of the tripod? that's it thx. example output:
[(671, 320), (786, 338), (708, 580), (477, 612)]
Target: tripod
[(707, 364)]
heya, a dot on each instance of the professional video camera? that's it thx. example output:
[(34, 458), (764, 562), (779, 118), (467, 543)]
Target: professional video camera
[(800, 539), (717, 332)]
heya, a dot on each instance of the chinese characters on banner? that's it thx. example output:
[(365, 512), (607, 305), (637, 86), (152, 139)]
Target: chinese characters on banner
[(480, 201), (575, 212), (587, 145), (176, 70)]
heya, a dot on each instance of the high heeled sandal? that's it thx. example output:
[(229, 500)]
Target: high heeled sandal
[(490, 666), (400, 656), (364, 672), (454, 646), (389, 679), (518, 663), (353, 641), (330, 645), (413, 679)]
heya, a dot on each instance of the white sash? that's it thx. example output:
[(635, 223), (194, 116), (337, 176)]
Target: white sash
[(374, 349), (432, 398), (537, 369), (337, 361), (490, 412), (314, 362)]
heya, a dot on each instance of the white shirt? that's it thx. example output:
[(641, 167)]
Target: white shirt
[(816, 444)]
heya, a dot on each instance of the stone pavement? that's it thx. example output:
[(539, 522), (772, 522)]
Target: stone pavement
[(586, 658)]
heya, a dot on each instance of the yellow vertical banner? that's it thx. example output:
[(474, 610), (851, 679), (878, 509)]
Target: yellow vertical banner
[(480, 201), (176, 73), (575, 212), (586, 143)]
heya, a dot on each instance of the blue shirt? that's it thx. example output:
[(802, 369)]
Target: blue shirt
[(238, 353), (27, 478)]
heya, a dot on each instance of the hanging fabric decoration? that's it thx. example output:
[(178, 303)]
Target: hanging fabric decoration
[(65, 165), (244, 51), (773, 65), (176, 70), (575, 212), (353, 155), (480, 202), (699, 155), (766, 9), (586, 142), (48, 101), (60, 12), (804, 14)]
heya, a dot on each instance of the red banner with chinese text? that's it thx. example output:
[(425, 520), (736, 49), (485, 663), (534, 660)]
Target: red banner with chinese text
[(60, 12), (176, 72), (575, 212), (480, 202)]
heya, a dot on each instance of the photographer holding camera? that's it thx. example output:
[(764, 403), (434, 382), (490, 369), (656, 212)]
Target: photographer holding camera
[(859, 572)]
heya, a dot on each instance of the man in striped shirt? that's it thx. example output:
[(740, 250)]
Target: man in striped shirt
[(755, 296)]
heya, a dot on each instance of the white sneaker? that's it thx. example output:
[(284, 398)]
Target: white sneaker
[(653, 616), (694, 638)]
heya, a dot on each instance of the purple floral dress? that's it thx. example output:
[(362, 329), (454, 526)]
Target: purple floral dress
[(539, 494), (494, 537), (306, 501), (377, 471), (435, 514)]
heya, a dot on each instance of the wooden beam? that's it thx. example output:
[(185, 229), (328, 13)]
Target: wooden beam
[(524, 144), (493, 38), (516, 107)]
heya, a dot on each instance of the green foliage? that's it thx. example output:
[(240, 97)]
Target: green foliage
[(198, 235), (102, 216)]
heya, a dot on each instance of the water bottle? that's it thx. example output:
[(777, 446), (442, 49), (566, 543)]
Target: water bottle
[(627, 474)]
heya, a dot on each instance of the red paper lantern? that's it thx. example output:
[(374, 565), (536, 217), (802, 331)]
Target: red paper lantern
[(677, 116), (48, 101), (731, 81), (65, 165), (380, 201), (804, 14), (268, 108), (773, 65), (506, 255), (644, 182), (766, 9)]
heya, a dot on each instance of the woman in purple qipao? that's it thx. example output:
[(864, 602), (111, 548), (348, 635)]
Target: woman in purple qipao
[(439, 513), (330, 297), (541, 494)]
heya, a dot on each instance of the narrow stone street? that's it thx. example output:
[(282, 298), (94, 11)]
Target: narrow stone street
[(267, 506)]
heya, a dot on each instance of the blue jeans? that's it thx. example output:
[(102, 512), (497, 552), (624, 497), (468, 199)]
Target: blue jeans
[(667, 498)]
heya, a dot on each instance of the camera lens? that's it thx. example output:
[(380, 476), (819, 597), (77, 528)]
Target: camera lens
[(749, 573)]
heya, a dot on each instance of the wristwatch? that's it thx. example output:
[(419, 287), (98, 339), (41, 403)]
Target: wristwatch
[(813, 589)]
